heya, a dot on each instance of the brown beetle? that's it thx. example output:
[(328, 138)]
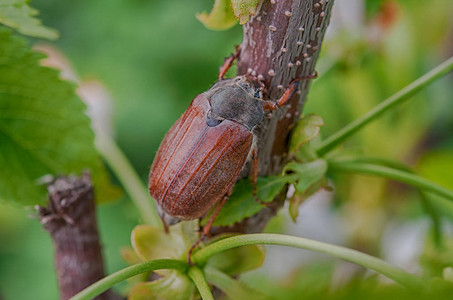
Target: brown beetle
[(203, 153)]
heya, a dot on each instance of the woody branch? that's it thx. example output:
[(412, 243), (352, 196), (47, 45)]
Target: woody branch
[(281, 42)]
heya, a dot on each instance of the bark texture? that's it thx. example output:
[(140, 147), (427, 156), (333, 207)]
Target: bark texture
[(70, 218), (281, 42)]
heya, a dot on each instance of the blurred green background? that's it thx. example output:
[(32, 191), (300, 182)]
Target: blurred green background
[(154, 56)]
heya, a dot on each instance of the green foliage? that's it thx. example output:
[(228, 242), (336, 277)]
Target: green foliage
[(243, 9), (360, 74), (307, 128), (18, 15), (391, 173), (151, 243), (233, 288), (242, 204), (220, 18), (43, 127), (315, 281), (237, 260), (308, 178), (175, 286), (225, 13)]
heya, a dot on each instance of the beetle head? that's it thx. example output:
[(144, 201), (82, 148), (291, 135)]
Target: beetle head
[(238, 99), (251, 85)]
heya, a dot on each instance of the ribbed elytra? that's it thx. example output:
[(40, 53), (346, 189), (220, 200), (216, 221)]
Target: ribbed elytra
[(202, 155)]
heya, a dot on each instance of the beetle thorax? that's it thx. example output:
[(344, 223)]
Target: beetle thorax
[(237, 99)]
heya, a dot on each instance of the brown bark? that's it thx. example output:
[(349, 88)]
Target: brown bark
[(281, 42), (70, 218)]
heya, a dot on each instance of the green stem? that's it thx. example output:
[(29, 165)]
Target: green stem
[(382, 162), (382, 267), (398, 98), (126, 174), (234, 289), (109, 281), (430, 209), (198, 278), (390, 173)]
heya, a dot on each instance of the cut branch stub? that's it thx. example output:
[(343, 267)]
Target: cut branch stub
[(70, 218)]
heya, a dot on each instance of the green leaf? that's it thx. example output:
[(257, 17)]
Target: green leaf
[(151, 242), (437, 166), (242, 205), (306, 174), (243, 9), (129, 255), (18, 15), (237, 260), (220, 18), (306, 130), (174, 286), (308, 178), (43, 127)]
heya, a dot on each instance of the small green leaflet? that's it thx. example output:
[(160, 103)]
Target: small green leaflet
[(18, 15), (225, 13), (308, 178), (150, 242), (237, 260), (307, 128), (175, 286), (220, 18), (242, 205), (243, 9), (43, 127)]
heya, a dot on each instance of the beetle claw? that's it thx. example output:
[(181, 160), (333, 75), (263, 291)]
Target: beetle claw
[(289, 92), (189, 253)]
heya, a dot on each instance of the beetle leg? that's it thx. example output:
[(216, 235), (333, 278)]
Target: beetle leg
[(229, 62), (166, 230), (288, 94), (208, 226)]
